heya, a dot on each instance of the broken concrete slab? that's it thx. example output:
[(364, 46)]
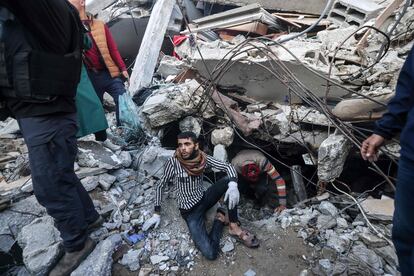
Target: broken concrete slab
[(249, 73), (372, 240), (90, 183), (19, 215), (151, 161), (233, 17), (380, 209), (171, 66), (332, 155), (41, 244), (147, 57), (173, 102), (368, 257), (388, 254), (99, 262), (94, 155), (312, 7)]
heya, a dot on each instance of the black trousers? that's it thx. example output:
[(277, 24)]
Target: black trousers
[(263, 191), (52, 149), (208, 243)]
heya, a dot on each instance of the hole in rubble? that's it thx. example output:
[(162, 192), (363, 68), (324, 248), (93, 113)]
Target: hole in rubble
[(337, 16), (10, 261), (340, 7), (356, 13), (356, 174)]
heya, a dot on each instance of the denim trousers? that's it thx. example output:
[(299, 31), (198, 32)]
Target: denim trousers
[(103, 82), (403, 222), (208, 243), (52, 147)]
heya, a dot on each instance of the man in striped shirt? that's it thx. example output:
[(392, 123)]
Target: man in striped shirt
[(186, 170), (256, 171)]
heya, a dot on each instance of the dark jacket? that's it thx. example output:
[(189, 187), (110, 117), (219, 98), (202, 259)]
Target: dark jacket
[(400, 115), (48, 27)]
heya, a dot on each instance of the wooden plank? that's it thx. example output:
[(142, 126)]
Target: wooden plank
[(287, 20), (253, 27), (380, 20), (151, 45)]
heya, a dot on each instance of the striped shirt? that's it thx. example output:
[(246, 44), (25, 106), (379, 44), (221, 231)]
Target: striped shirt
[(249, 156), (189, 188)]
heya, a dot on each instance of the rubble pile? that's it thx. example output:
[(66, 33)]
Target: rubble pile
[(238, 79), (343, 242)]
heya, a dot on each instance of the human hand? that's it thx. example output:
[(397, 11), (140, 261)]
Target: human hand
[(125, 74), (279, 209), (152, 221), (369, 148), (232, 194)]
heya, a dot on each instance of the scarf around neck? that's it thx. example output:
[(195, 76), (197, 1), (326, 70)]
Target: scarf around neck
[(194, 166)]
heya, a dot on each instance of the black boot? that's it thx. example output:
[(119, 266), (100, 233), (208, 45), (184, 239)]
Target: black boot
[(71, 260)]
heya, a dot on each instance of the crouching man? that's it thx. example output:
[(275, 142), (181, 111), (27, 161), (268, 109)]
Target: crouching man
[(186, 170), (260, 179)]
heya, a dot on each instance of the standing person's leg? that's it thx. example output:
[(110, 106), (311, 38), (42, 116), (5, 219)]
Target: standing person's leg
[(208, 244), (56, 187), (403, 223), (90, 213), (98, 81), (115, 88)]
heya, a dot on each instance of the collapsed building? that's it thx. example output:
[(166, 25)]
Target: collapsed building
[(303, 83)]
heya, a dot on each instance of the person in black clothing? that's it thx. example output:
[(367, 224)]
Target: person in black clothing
[(399, 119), (42, 47)]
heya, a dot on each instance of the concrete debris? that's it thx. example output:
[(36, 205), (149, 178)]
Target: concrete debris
[(171, 66), (232, 90), (381, 209), (90, 183), (171, 103), (250, 272), (192, 124), (152, 160), (131, 259), (106, 181), (99, 262), (332, 155), (156, 259), (328, 208), (220, 153), (228, 246), (41, 244), (223, 136)]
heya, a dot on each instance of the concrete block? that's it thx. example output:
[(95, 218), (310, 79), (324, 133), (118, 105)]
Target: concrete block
[(310, 6), (249, 74), (354, 12), (332, 155)]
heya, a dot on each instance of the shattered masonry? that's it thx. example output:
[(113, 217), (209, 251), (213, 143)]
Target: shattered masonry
[(307, 102)]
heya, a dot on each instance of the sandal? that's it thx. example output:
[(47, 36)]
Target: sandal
[(248, 239)]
